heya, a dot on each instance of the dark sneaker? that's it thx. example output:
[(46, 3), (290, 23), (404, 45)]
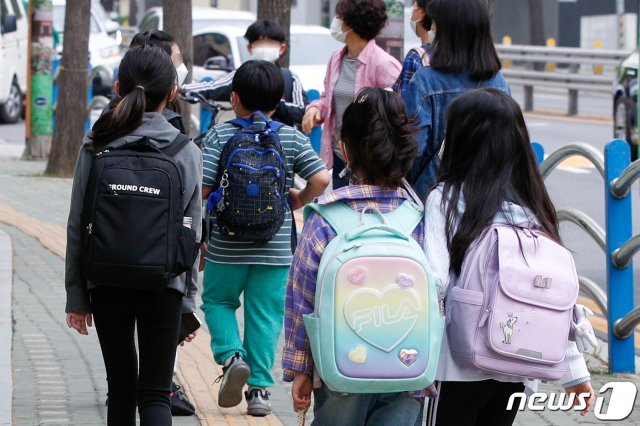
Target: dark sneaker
[(258, 404), (234, 376), (180, 405)]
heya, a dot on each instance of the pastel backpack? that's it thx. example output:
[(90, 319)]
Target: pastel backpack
[(512, 307), (378, 319)]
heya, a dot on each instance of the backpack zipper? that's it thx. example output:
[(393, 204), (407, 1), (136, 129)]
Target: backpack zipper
[(485, 316)]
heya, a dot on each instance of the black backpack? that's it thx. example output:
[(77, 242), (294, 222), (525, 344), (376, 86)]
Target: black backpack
[(132, 218), (251, 199)]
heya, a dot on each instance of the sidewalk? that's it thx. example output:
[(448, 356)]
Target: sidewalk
[(58, 375)]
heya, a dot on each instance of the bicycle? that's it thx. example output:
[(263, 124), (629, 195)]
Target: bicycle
[(210, 106)]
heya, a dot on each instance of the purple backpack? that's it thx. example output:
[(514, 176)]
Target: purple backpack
[(511, 309)]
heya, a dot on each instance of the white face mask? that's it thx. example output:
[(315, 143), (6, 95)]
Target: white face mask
[(336, 30), (414, 26), (182, 73), (269, 54), (432, 36)]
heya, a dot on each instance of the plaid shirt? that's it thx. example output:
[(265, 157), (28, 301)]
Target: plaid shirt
[(412, 63), (301, 287)]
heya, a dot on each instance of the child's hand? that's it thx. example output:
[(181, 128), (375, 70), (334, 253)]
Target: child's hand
[(301, 391), (582, 388), (189, 338), (80, 322), (296, 200)]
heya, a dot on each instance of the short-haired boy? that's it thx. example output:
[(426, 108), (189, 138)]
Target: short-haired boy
[(259, 270)]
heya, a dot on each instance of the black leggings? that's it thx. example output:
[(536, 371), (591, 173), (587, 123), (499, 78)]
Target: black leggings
[(473, 403), (156, 314)]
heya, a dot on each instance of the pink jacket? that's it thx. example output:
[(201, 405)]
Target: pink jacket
[(376, 69)]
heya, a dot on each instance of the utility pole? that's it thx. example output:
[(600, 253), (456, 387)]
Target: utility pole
[(39, 111), (620, 24)]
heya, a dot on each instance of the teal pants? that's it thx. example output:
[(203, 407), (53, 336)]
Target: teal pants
[(264, 290)]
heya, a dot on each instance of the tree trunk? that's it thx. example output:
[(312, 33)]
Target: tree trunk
[(278, 11), (177, 22), (71, 112)]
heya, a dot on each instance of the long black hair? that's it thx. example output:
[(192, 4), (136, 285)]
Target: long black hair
[(379, 137), (488, 151), (146, 77), (463, 38), (426, 21)]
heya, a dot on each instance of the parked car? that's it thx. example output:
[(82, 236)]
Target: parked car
[(13, 59), (218, 50), (202, 17), (104, 49), (625, 95)]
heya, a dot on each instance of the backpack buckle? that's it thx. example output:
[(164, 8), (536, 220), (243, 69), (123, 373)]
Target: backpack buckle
[(541, 282)]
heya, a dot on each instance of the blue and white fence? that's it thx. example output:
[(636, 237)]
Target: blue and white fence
[(616, 240)]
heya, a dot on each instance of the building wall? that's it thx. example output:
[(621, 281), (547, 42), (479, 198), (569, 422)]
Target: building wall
[(511, 18), (571, 13)]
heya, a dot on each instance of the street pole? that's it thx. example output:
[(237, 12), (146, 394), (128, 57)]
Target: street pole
[(40, 82), (620, 23)]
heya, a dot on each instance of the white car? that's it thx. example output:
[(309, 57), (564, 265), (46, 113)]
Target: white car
[(202, 17), (218, 50), (104, 50), (13, 59)]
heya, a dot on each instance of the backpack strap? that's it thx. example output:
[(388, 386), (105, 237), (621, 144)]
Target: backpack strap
[(178, 143), (288, 84), (338, 215), (406, 217), (272, 125)]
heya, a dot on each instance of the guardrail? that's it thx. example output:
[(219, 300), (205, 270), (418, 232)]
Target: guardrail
[(616, 241), (570, 79)]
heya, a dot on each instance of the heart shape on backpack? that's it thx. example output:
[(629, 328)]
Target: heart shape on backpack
[(408, 356), (382, 318)]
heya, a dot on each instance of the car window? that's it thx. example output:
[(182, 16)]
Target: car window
[(3, 9), (244, 53), (312, 49), (199, 24), (16, 8), (208, 45), (58, 20), (149, 23)]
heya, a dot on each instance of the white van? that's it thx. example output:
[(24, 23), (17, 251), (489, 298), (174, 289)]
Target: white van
[(13, 59)]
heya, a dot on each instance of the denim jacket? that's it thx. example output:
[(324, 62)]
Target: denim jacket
[(427, 97)]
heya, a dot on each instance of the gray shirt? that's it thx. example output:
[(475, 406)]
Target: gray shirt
[(189, 160), (344, 93)]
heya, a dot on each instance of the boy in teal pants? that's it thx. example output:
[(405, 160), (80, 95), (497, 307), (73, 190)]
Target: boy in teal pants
[(258, 269)]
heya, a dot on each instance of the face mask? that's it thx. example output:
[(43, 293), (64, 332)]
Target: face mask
[(414, 26), (182, 73), (269, 54), (336, 30), (432, 36)]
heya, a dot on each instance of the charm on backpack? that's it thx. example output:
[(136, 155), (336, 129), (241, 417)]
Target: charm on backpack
[(251, 199)]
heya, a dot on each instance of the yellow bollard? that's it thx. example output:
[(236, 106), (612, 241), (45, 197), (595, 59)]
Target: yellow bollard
[(597, 69), (506, 40), (551, 42)]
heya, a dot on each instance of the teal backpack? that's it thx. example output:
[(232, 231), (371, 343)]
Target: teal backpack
[(379, 316)]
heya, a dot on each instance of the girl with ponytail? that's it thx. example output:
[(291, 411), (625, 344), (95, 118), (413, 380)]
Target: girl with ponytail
[(146, 82), (376, 140)]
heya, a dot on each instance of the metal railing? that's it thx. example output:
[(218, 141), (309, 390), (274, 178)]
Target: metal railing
[(615, 240), (531, 62)]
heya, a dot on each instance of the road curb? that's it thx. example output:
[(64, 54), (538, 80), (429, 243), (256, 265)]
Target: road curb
[(6, 328)]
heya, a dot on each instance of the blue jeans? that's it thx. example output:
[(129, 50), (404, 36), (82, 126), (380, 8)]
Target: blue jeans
[(359, 409)]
